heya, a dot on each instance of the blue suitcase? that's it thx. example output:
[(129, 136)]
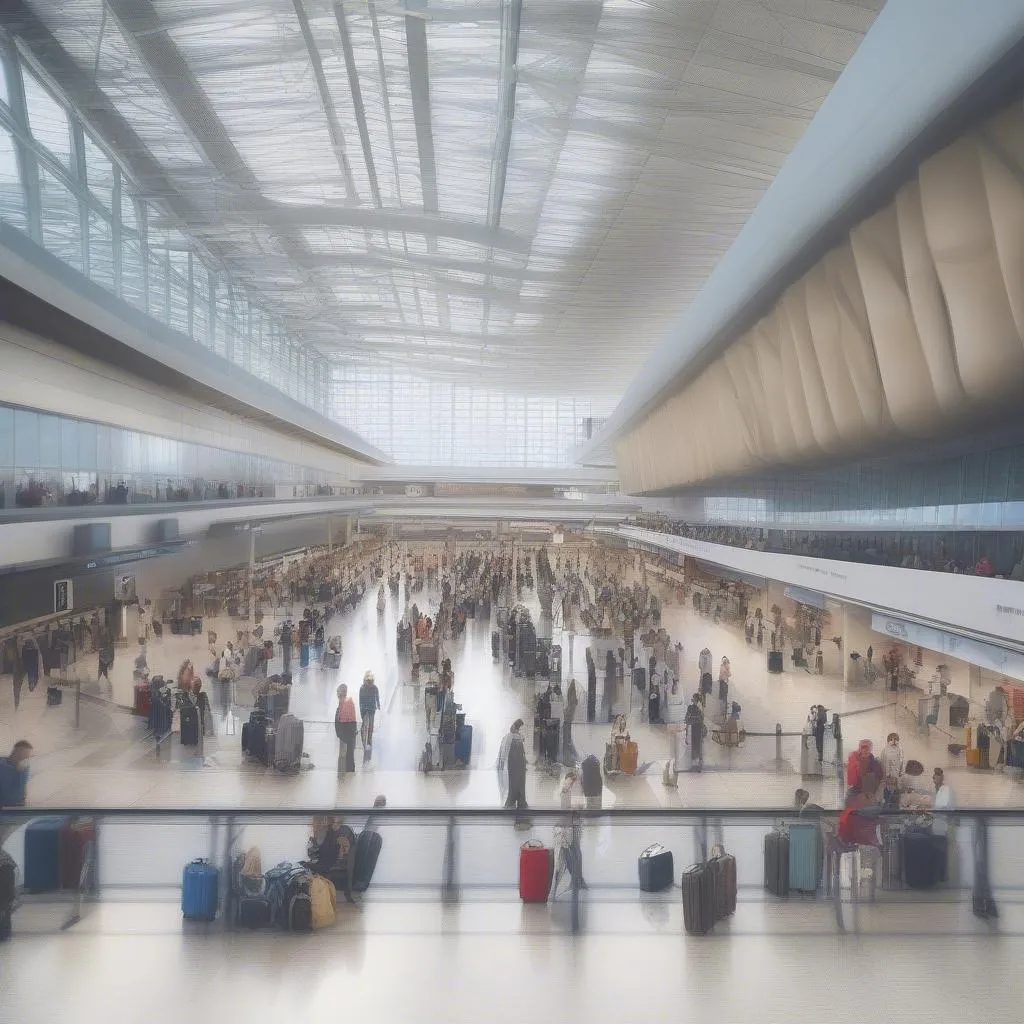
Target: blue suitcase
[(42, 855), (199, 891), (463, 744), (806, 856)]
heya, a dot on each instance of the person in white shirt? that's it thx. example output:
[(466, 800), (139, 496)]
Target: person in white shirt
[(942, 801)]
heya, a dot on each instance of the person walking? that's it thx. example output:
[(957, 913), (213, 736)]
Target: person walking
[(512, 764), (345, 729), (369, 705), (567, 847), (591, 687), (572, 699)]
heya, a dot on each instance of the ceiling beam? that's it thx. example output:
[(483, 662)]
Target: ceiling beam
[(357, 99), (431, 224), (336, 135), (511, 16)]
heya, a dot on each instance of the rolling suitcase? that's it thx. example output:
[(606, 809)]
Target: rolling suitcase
[(924, 859), (549, 740), (8, 893), (590, 777), (141, 700), (655, 868), (775, 662), (699, 901), (75, 837), (805, 856), (368, 847), (654, 708), (199, 891), (54, 696), (723, 869), (891, 866), (189, 725), (42, 854), (536, 869), (776, 862), (463, 743), (288, 741), (628, 756)]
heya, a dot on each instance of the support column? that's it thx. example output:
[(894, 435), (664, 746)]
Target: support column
[(846, 646), (252, 580), (330, 539)]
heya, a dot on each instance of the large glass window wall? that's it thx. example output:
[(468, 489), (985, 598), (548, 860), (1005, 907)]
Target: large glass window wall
[(59, 186), (50, 460), (419, 421)]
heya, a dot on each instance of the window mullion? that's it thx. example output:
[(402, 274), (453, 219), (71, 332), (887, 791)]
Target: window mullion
[(28, 164), (115, 229), (80, 188)]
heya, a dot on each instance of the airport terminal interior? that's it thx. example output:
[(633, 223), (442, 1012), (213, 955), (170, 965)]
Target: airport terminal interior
[(511, 509)]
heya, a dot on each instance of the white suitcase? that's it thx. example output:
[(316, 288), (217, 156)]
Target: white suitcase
[(288, 744)]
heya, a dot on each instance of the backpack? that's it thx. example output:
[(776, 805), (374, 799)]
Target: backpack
[(290, 903), (8, 882)]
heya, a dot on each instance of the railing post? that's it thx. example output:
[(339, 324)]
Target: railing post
[(982, 902), (449, 890), (778, 743), (575, 873)]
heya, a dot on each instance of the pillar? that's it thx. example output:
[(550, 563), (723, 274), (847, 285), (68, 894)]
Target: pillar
[(846, 645)]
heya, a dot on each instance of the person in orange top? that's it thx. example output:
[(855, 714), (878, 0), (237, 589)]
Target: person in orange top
[(345, 728)]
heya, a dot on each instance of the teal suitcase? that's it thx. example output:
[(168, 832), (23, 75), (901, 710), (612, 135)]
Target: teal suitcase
[(806, 856)]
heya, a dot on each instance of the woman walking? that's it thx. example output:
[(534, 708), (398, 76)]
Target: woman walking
[(345, 729)]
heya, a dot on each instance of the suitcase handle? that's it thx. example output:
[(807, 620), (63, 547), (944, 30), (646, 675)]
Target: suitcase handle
[(532, 844)]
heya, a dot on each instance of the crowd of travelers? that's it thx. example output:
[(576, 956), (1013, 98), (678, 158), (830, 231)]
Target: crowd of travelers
[(903, 550)]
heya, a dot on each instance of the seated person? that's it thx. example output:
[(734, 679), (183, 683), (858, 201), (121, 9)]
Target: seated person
[(915, 793), (804, 808), (331, 851), (858, 823)]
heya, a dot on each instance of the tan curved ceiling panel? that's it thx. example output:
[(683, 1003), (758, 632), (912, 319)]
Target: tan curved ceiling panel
[(907, 329)]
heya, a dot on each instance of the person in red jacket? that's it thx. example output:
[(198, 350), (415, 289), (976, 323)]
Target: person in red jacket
[(860, 763), (858, 822)]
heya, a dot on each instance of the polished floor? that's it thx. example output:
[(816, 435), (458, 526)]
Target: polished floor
[(507, 963), (108, 761)]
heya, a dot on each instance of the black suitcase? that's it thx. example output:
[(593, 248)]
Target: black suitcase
[(775, 661), (776, 863), (655, 869), (189, 725), (367, 851), (924, 859), (699, 902), (654, 708), (54, 695), (549, 739)]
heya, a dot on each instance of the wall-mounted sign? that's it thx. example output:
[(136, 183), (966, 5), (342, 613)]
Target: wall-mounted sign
[(63, 596), (998, 659)]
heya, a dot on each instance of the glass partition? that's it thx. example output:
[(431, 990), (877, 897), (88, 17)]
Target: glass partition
[(474, 856)]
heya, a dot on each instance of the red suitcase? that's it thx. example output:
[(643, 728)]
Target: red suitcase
[(536, 868), (75, 836), (142, 698)]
